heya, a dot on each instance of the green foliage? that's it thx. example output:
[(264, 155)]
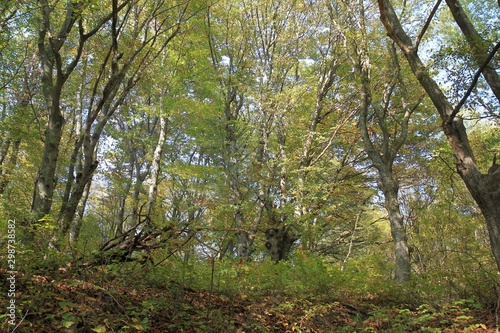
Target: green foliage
[(425, 318), (262, 106), (304, 295)]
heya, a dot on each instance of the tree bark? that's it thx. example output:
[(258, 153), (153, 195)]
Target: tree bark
[(55, 71), (46, 179), (6, 167), (383, 162), (45, 182), (279, 242), (478, 46), (156, 163), (123, 196), (76, 226), (484, 188), (390, 188)]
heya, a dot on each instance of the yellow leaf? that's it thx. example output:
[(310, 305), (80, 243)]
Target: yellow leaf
[(99, 329)]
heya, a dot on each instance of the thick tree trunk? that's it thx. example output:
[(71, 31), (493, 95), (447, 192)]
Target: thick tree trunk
[(390, 188), (484, 188), (244, 246), (487, 196), (53, 79), (46, 179), (279, 242)]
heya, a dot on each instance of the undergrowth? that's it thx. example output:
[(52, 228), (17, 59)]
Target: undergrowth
[(305, 294)]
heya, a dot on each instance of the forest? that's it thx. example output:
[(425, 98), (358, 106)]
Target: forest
[(249, 166)]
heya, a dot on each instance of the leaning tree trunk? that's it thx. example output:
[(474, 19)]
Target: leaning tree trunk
[(76, 226), (478, 46), (484, 188)]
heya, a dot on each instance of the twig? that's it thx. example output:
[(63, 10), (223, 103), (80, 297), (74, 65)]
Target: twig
[(212, 261), (22, 319), (352, 240)]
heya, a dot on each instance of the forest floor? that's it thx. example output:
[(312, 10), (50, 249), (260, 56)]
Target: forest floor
[(102, 302)]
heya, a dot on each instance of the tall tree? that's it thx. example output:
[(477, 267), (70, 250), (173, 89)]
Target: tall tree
[(228, 42), (56, 68), (137, 33), (484, 187), (384, 118)]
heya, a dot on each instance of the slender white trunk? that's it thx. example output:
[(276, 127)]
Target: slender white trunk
[(156, 164)]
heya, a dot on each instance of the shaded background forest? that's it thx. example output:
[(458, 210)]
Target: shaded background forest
[(172, 137)]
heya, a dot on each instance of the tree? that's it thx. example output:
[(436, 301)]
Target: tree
[(484, 187), (138, 34), (285, 67), (384, 118), (228, 44), (55, 71)]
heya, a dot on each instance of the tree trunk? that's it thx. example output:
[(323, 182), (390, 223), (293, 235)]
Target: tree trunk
[(390, 188), (53, 79), (123, 198), (244, 246), (82, 180), (484, 188), (279, 242), (383, 154), (155, 168), (7, 166), (76, 227), (46, 178)]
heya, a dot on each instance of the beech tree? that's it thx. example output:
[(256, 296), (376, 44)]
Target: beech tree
[(148, 27), (227, 34), (279, 69), (484, 186), (385, 111)]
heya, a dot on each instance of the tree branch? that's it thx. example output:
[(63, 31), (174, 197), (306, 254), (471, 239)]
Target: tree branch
[(473, 83), (427, 23)]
